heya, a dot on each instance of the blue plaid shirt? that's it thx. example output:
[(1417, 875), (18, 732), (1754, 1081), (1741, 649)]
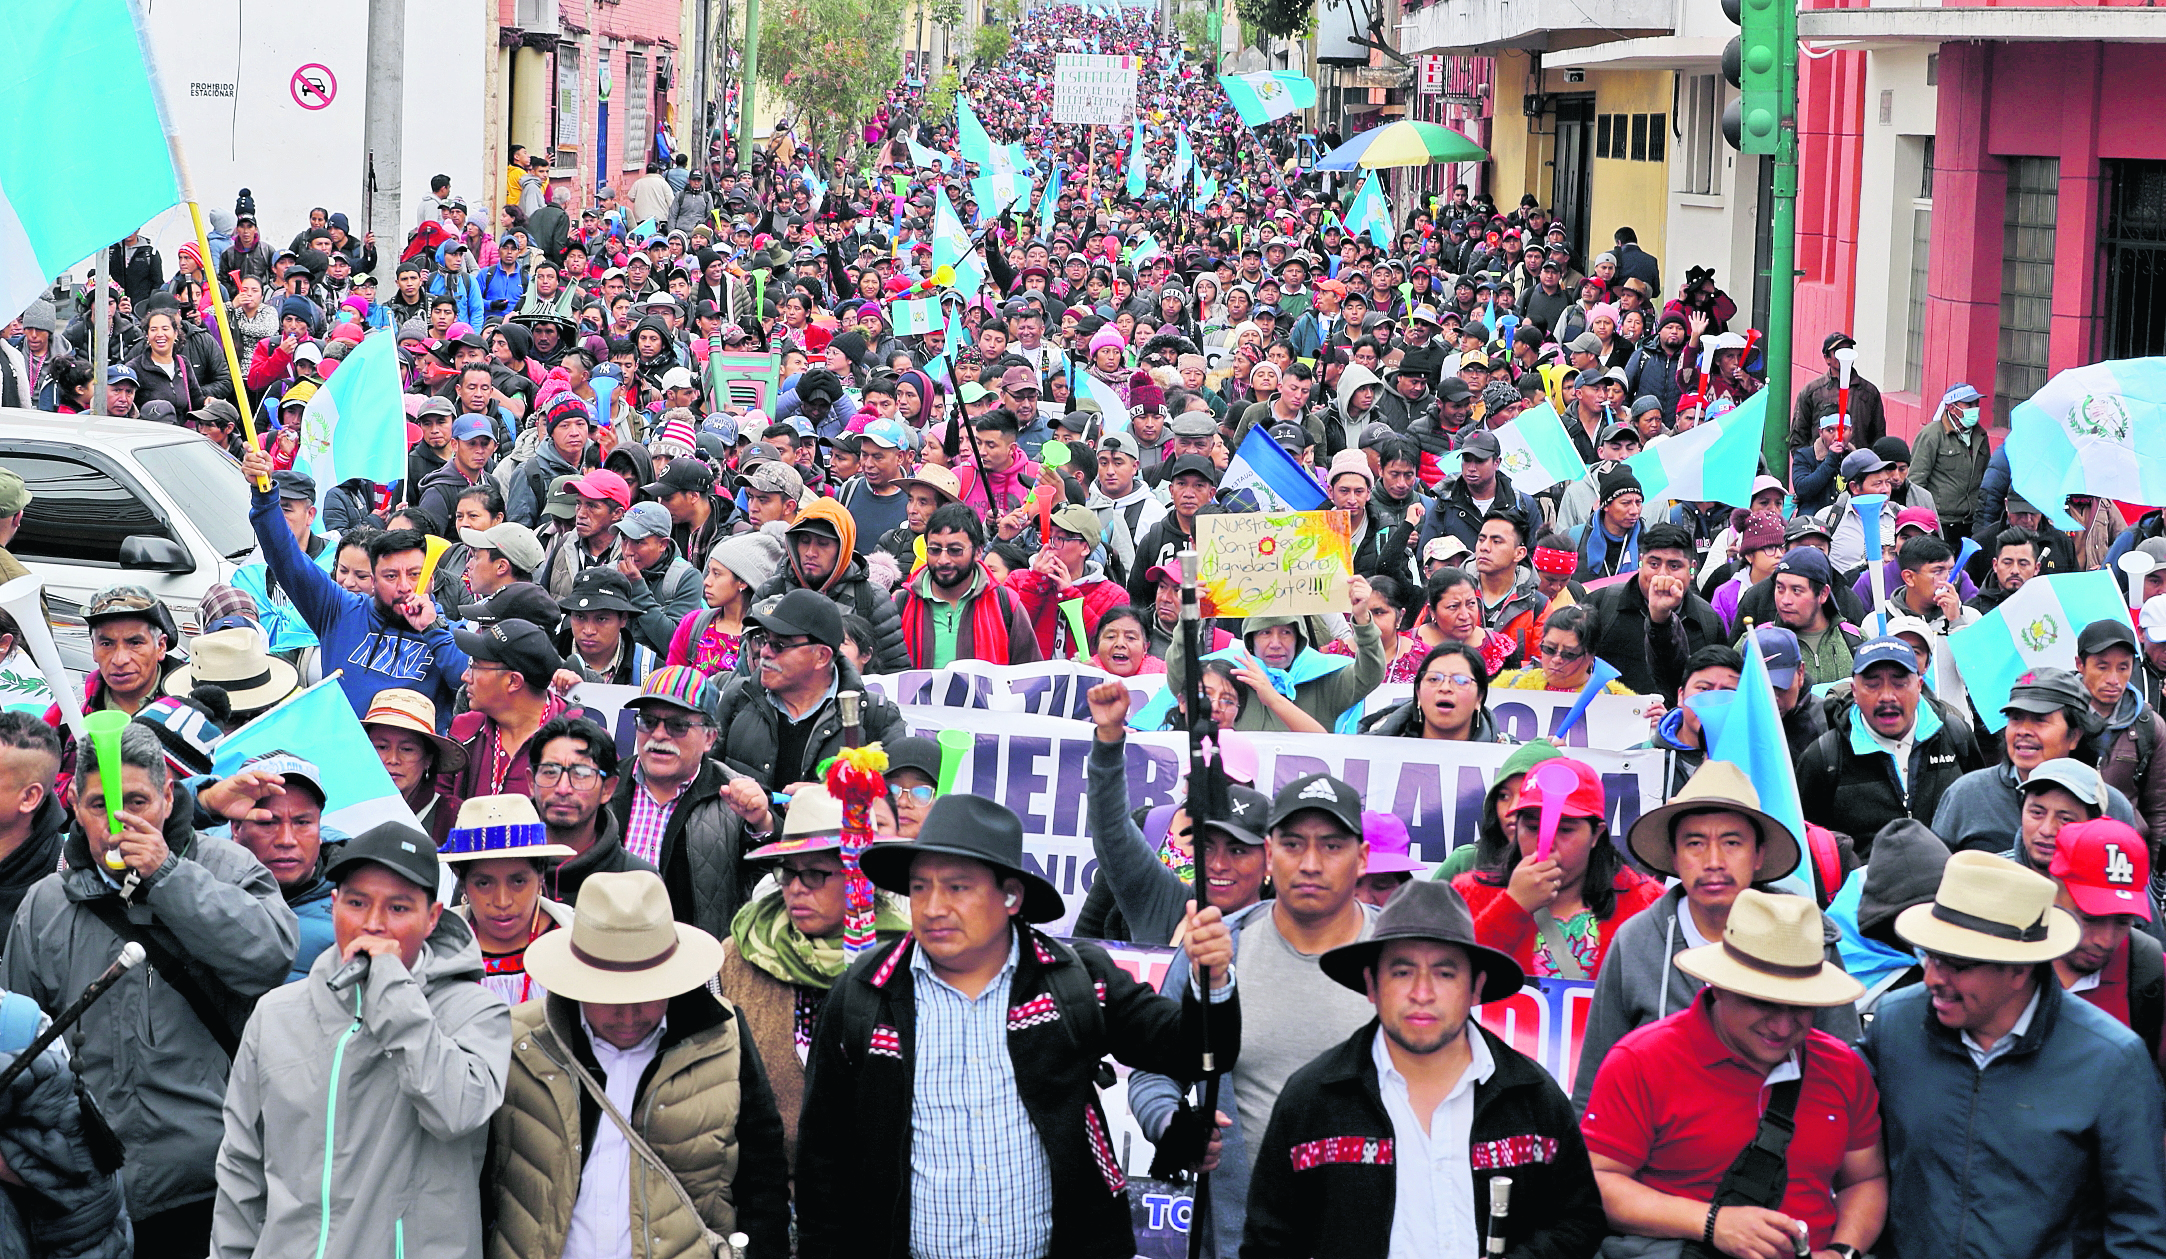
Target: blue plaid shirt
[(980, 1184)]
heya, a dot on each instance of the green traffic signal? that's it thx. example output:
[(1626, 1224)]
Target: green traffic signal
[(1753, 64)]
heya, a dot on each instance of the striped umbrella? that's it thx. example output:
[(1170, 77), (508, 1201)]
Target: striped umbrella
[(1402, 143)]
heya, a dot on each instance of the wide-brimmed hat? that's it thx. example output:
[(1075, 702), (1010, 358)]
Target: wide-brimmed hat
[(238, 660), (1716, 786), (966, 826), (403, 709), (1426, 910), (489, 827), (1772, 949), (623, 946), (1391, 847), (814, 823), (1989, 909)]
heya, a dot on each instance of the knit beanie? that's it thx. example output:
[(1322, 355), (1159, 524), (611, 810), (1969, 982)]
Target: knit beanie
[(753, 558), (1108, 336), (1144, 393), (678, 439)]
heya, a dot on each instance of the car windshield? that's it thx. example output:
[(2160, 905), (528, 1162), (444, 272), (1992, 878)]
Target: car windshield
[(209, 490)]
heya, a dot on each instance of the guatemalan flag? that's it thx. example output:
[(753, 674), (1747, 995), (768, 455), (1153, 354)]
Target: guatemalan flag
[(2034, 628), (355, 425), (1537, 450), (1714, 463), (2097, 430), (319, 725), (84, 117)]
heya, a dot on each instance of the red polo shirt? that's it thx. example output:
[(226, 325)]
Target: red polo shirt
[(1672, 1101)]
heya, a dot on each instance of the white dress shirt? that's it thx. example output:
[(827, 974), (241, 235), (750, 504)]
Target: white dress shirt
[(1433, 1213), (1984, 1057), (602, 1215)]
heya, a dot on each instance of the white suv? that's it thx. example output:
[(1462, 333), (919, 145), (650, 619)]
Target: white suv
[(124, 501)]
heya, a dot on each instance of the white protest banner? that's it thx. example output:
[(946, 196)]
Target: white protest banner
[(1037, 767), (1094, 90), (1061, 688), (1262, 563)]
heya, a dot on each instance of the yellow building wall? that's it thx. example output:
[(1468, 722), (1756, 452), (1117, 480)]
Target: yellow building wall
[(1624, 192)]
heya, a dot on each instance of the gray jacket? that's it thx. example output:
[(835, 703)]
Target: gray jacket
[(413, 1062), (1638, 985), (156, 1070), (1150, 896)]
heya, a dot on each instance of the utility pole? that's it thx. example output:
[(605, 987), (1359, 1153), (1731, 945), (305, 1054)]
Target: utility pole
[(1762, 62), (383, 121), (750, 82)]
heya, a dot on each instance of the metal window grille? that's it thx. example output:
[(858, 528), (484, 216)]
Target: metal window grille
[(2134, 274), (634, 96), (2027, 240)]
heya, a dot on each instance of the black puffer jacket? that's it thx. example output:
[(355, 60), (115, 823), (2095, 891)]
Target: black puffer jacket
[(78, 1212), (855, 594), (1650, 658), (751, 741)]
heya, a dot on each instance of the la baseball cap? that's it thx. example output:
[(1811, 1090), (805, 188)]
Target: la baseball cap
[(2106, 867)]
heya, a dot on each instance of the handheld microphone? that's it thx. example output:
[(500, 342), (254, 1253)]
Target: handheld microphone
[(351, 973)]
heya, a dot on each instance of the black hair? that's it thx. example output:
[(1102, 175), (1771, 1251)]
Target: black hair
[(358, 536), (2015, 535), (1921, 550), (1714, 656), (489, 492), (1443, 581), (600, 747), (397, 541), (471, 368), (1298, 370), (856, 629), (1118, 612), (1477, 668), (1664, 536), (1570, 619), (957, 518), (1510, 517), (994, 325), (443, 299), (1398, 449), (773, 431), (997, 420), (29, 733)]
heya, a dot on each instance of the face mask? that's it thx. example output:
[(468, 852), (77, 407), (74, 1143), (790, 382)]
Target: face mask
[(1969, 417)]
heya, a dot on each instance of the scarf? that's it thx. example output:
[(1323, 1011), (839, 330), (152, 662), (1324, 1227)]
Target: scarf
[(767, 938)]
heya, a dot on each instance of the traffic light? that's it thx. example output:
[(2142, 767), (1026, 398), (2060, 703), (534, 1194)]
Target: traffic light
[(1753, 64)]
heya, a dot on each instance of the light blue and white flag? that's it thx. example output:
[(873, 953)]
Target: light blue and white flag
[(1714, 463), (950, 241), (1136, 175), (319, 726), (1537, 450), (815, 187), (1370, 214), (2034, 628), (1049, 200), (915, 317), (1146, 248), (1113, 414), (355, 425), (1744, 727), (1259, 98), (971, 139), (85, 162), (922, 157), (1263, 468), (1184, 158), (2099, 430)]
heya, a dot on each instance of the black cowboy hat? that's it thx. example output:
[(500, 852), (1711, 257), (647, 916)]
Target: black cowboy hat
[(1424, 910), (974, 827)]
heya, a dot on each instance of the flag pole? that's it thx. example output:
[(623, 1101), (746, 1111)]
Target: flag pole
[(203, 242)]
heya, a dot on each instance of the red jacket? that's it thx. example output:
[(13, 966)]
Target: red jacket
[(1042, 600), (1502, 925)]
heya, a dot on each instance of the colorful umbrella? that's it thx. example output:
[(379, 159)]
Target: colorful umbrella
[(1402, 143)]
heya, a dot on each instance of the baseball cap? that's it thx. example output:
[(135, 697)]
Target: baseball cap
[(521, 646), (1779, 650), (396, 847), (120, 374), (115, 602), (1246, 808), (646, 520), (1317, 791), (1803, 526), (1958, 393), (308, 352), (676, 377), (1480, 444), (1200, 465), (1585, 798), (2105, 865), (472, 428), (15, 496), (294, 484), (1080, 520), (434, 406), (603, 484), (1917, 517), (1617, 430), (1585, 343), (1452, 390), (801, 613), (519, 601), (1125, 443), (889, 434), (1863, 462), (2071, 776), (774, 477), (972, 391), (290, 767), (1292, 436), (1019, 380), (683, 476), (2111, 631), (512, 540), (2047, 691), (1884, 651), (2153, 619), (1836, 341), (600, 589)]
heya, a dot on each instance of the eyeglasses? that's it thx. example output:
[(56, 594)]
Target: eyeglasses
[(777, 646), (1953, 965), (1456, 679), (549, 774), (678, 727), (1563, 655), (814, 878)]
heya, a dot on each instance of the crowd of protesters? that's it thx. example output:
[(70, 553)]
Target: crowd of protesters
[(608, 1003)]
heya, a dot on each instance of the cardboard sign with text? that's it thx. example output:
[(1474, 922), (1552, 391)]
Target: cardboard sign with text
[(1292, 563)]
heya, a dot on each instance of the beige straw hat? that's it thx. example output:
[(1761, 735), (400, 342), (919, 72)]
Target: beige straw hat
[(623, 946), (1772, 949), (1989, 909)]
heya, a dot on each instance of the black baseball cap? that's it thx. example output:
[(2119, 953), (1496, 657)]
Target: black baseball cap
[(599, 589), (521, 646), (800, 613), (1246, 808), (681, 476), (1318, 791), (1191, 463), (396, 847), (521, 600)]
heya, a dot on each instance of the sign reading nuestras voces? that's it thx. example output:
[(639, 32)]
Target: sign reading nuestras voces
[(1292, 563), (1094, 90)]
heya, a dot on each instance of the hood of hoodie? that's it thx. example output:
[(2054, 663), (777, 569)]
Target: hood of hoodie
[(522, 341), (1905, 870), (1354, 378), (1251, 626), (84, 879), (2125, 712), (834, 514), (668, 356), (631, 461), (449, 955)]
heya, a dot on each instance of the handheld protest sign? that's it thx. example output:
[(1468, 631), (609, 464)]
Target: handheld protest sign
[(1557, 780), (105, 727)]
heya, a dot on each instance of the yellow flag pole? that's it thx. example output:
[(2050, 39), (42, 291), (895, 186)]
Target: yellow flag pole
[(225, 326)]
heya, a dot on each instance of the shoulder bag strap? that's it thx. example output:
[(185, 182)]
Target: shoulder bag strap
[(170, 968), (1560, 950), (1761, 1171), (716, 1243)]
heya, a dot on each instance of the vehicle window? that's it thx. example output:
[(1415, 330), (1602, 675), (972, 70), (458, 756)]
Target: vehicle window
[(77, 514), (207, 487)]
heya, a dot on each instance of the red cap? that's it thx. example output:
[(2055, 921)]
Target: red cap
[(2105, 866), (1585, 800), (602, 483)]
